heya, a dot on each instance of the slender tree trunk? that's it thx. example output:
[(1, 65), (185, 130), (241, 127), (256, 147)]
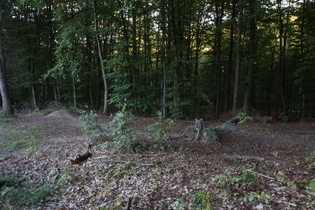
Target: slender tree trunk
[(251, 58), (281, 60), (99, 50), (74, 92), (163, 60), (229, 68), (7, 108), (33, 98), (238, 56), (218, 53)]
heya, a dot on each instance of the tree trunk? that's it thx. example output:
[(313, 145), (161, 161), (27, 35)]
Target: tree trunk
[(251, 58), (229, 68), (238, 56), (163, 60), (99, 49), (74, 92), (7, 108)]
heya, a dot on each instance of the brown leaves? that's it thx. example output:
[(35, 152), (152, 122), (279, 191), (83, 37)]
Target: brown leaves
[(166, 174)]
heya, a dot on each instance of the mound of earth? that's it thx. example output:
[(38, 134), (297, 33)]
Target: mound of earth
[(61, 114)]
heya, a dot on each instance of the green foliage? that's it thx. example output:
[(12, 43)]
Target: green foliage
[(311, 161), (310, 187), (200, 200), (246, 179), (243, 117), (120, 89), (92, 128), (33, 150), (16, 192), (24, 138), (283, 118), (124, 137), (259, 196), (213, 134), (3, 119), (10, 181), (158, 130)]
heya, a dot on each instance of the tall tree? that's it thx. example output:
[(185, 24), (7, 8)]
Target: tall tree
[(100, 55), (7, 108), (248, 98), (238, 55)]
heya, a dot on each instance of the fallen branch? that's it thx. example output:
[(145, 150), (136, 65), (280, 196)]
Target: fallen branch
[(288, 203), (81, 158), (243, 157), (260, 174), (189, 127)]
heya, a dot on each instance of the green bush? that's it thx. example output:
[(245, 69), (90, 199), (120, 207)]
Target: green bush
[(246, 179), (200, 200), (283, 118), (158, 130), (16, 192), (92, 128), (243, 117), (124, 137)]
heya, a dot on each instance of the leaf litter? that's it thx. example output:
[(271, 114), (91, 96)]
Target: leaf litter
[(174, 174)]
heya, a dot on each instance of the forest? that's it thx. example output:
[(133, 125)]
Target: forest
[(157, 104), (186, 58)]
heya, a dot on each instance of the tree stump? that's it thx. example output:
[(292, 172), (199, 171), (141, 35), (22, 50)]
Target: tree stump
[(205, 134)]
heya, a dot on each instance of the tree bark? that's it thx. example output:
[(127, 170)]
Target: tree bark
[(251, 58), (238, 55), (228, 71), (99, 49), (7, 108)]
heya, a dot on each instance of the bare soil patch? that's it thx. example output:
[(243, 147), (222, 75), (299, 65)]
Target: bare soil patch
[(174, 174)]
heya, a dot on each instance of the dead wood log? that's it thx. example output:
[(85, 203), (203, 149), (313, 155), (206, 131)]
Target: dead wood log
[(84, 156), (81, 158)]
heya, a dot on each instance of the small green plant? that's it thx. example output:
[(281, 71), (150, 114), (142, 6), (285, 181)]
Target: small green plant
[(33, 150), (213, 134), (281, 178), (259, 196), (22, 139), (311, 161), (200, 200), (247, 179), (3, 119), (275, 153), (158, 130), (15, 191), (243, 117), (311, 188), (92, 128), (283, 118), (38, 128), (124, 137)]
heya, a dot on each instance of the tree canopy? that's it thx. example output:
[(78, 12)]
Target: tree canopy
[(186, 58)]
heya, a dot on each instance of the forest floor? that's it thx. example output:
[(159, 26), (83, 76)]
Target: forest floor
[(257, 166)]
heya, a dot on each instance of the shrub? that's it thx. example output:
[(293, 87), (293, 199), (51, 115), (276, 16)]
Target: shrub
[(92, 128), (158, 130), (243, 117), (124, 137)]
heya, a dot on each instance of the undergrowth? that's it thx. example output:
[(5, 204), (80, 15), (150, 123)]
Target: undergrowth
[(243, 117), (158, 130), (92, 128), (124, 138), (16, 192)]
